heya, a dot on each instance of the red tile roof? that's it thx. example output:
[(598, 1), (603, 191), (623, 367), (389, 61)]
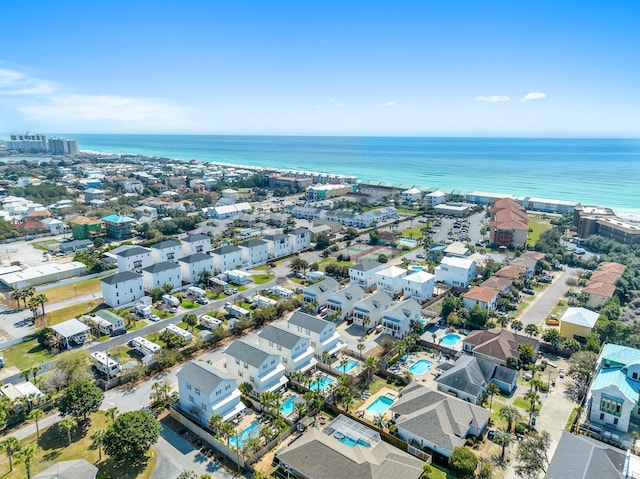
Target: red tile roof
[(478, 293)]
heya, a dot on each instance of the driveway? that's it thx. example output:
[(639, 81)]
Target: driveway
[(547, 299)]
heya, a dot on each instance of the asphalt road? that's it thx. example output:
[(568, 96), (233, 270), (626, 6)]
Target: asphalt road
[(546, 300)]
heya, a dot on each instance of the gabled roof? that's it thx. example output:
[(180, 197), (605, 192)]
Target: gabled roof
[(391, 272), (403, 309), (437, 417), (192, 238), (121, 277), (203, 376), (74, 469), (498, 283), (585, 458), (478, 293), (419, 277), (133, 251), (196, 258), (498, 343), (456, 262), (510, 271), (366, 266), (621, 354), (161, 266), (226, 250), (252, 243), (580, 317), (469, 374), (309, 322), (165, 244), (109, 316), (617, 377), (247, 352), (283, 337)]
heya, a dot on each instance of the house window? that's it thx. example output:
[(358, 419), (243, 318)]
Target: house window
[(634, 375), (251, 378), (615, 420), (218, 392), (197, 391), (611, 405), (227, 387), (204, 407), (170, 255), (191, 398), (189, 387), (602, 416)]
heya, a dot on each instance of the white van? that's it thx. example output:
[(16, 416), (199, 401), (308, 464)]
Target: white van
[(170, 300)]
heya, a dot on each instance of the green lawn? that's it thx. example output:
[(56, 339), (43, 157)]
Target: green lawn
[(438, 472), (26, 355), (63, 314), (522, 403), (538, 226), (188, 304), (262, 278), (162, 313), (407, 211), (54, 448), (413, 232), (67, 291), (213, 296)]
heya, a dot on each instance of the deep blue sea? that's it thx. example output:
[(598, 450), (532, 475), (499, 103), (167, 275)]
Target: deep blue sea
[(592, 171)]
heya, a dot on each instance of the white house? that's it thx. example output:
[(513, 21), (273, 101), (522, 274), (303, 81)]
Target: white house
[(435, 198), (419, 286), (196, 243), (159, 274), (457, 272), (436, 420), (109, 321), (412, 194), (614, 396), (167, 250), (250, 364), (295, 351), (254, 252), (486, 298), (396, 321), (341, 303), (300, 239), (191, 266), (134, 259), (206, 390), (389, 280), (122, 288), (55, 226), (368, 311), (364, 274), (316, 295), (226, 257), (238, 277), (279, 245), (323, 334)]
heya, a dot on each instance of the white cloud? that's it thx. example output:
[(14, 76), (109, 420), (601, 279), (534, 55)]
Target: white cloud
[(389, 104), (532, 96), (493, 98), (41, 100)]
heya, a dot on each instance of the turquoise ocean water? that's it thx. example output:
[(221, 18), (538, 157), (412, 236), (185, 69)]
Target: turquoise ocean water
[(605, 172)]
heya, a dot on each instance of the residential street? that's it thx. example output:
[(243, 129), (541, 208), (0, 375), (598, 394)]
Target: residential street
[(545, 301)]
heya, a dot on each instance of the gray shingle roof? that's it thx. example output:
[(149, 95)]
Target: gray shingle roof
[(225, 250), (309, 322), (134, 251), (285, 338), (161, 266), (253, 242), (165, 244), (247, 352), (366, 266), (472, 375), (195, 258), (203, 376), (120, 277), (74, 469), (585, 458), (195, 237)]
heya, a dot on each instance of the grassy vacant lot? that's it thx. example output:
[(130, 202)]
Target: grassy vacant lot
[(537, 225), (26, 355), (67, 291), (262, 278), (413, 232), (63, 314), (53, 443)]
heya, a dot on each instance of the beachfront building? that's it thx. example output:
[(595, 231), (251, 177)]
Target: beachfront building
[(250, 364), (470, 376), (368, 311), (418, 286), (435, 198), (456, 272), (411, 195), (300, 239), (323, 334), (167, 250), (340, 305), (436, 420), (196, 243), (133, 258), (497, 345), (486, 298), (160, 274), (613, 399), (390, 281), (364, 274), (397, 320), (596, 220), (549, 206), (122, 288), (316, 295), (119, 227), (484, 198), (509, 224), (577, 323), (254, 252), (324, 192), (192, 266), (206, 390), (294, 350), (226, 257)]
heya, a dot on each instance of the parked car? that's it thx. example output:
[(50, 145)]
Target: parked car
[(561, 374), (119, 332), (202, 301), (528, 291), (173, 309), (420, 256), (155, 317)]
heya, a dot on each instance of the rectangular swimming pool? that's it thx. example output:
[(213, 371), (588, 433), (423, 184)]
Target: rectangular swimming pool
[(351, 364), (380, 405), (420, 367), (286, 407), (321, 384), (252, 430)]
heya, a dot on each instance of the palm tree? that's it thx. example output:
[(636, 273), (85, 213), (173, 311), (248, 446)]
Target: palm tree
[(361, 347), (380, 421), (67, 424), (277, 402), (365, 322), (343, 365), (10, 445), (511, 414), (503, 321), (535, 384), (532, 330), (19, 294), (246, 389), (347, 400), (492, 389), (26, 454), (504, 439), (516, 325), (370, 365), (408, 376), (112, 413), (325, 357), (227, 430), (300, 408), (33, 307), (214, 422), (533, 399), (41, 299), (97, 439), (527, 353), (36, 414)]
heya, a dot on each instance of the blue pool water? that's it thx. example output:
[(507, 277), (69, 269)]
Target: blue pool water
[(241, 439), (351, 363), (408, 242), (286, 407), (380, 405), (321, 384), (416, 267), (351, 442), (450, 339), (420, 367)]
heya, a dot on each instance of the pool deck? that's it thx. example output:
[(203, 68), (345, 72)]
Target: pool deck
[(440, 333), (362, 410), (336, 365)]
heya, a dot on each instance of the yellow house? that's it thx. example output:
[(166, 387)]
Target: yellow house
[(577, 322)]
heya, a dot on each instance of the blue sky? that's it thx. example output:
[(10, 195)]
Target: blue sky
[(404, 67)]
